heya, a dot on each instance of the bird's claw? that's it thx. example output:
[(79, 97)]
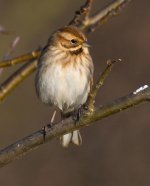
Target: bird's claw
[(78, 113), (45, 130)]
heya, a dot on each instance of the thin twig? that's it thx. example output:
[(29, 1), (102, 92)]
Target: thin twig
[(11, 47), (26, 57), (99, 83), (34, 140), (104, 15), (86, 9), (16, 78), (82, 14)]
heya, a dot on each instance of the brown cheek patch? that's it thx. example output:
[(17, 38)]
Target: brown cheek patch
[(76, 52)]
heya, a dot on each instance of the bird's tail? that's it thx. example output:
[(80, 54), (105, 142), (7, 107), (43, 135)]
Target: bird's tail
[(74, 137)]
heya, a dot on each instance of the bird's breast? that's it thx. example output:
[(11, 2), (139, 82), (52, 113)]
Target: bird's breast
[(66, 83)]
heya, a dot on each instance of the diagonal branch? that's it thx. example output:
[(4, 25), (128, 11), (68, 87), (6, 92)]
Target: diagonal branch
[(101, 17), (99, 83), (16, 78), (34, 140)]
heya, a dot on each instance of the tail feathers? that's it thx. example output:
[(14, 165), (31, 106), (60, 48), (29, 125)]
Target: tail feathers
[(74, 137)]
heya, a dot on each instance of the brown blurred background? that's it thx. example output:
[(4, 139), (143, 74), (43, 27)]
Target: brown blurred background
[(115, 151)]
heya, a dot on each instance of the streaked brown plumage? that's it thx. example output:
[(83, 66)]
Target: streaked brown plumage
[(65, 74)]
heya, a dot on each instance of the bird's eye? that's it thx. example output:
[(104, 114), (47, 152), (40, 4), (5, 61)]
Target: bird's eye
[(73, 41)]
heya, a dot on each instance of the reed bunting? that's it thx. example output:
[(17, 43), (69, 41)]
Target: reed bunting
[(65, 75)]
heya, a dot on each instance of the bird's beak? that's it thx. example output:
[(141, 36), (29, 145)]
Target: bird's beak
[(86, 45)]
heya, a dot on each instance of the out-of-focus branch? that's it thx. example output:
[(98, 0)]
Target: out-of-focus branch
[(3, 30), (26, 57), (16, 78), (11, 48), (34, 140), (82, 14), (102, 16)]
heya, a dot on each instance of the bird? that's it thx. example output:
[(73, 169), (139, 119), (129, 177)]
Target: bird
[(64, 75)]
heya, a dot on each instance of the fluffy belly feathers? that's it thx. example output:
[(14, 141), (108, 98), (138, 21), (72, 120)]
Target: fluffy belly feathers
[(67, 88)]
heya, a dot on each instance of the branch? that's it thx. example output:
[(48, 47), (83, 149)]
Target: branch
[(91, 99), (16, 78), (101, 17), (34, 140), (26, 57), (12, 46), (83, 14)]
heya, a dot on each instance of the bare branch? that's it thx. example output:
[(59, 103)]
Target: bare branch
[(34, 140), (101, 17), (11, 47), (26, 57), (83, 14), (99, 83), (16, 78)]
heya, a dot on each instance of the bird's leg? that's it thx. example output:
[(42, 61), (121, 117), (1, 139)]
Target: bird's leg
[(48, 126), (78, 113)]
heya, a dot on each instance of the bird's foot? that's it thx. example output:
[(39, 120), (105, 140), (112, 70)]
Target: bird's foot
[(78, 113), (45, 129)]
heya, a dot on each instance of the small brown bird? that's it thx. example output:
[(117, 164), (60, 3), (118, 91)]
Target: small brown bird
[(65, 75)]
